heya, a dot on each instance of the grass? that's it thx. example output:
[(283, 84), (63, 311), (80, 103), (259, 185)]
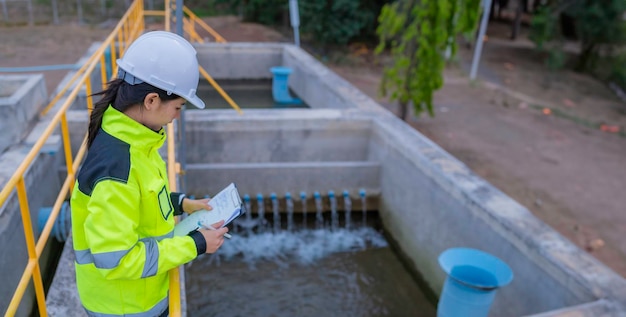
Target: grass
[(578, 120)]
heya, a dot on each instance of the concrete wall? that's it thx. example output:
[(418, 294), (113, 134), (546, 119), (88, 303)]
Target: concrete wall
[(239, 60), (306, 150), (80, 102), (22, 127), (42, 183), (21, 98), (19, 109), (309, 77), (429, 201)]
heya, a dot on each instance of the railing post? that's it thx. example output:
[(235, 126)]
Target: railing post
[(121, 40), (174, 275), (168, 14), (140, 15), (103, 72), (113, 56), (88, 96), (126, 35), (30, 245), (67, 147)]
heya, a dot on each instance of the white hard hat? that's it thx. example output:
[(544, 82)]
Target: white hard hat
[(164, 60)]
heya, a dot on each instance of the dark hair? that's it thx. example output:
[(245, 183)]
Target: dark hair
[(121, 96)]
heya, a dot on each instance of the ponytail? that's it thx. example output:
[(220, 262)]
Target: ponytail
[(108, 98), (121, 96)]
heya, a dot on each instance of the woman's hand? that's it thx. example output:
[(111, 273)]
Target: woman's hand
[(192, 205), (214, 238)]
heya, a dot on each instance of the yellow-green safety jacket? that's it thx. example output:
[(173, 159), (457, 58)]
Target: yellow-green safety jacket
[(123, 222)]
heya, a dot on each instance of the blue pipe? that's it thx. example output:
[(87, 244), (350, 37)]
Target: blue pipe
[(362, 193), (41, 68), (280, 87), (62, 225)]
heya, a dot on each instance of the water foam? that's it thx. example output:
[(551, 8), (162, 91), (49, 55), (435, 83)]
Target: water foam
[(304, 247)]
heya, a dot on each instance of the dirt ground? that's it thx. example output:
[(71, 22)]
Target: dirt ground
[(544, 138)]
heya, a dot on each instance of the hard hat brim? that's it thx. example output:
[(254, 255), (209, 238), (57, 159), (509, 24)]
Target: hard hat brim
[(197, 102)]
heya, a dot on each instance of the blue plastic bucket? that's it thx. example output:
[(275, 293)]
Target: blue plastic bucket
[(473, 278)]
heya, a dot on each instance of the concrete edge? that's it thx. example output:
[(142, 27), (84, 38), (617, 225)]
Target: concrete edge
[(541, 243), (599, 308), (62, 298)]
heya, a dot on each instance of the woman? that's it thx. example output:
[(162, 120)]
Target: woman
[(122, 209)]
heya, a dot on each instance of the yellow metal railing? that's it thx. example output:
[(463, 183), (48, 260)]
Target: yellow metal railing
[(190, 22), (189, 25), (219, 89), (173, 168), (174, 275), (131, 25)]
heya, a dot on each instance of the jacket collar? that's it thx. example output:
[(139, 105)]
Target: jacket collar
[(130, 131)]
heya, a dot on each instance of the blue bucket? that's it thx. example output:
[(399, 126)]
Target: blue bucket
[(473, 278), (280, 87)]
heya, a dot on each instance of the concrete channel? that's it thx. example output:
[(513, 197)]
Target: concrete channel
[(428, 200)]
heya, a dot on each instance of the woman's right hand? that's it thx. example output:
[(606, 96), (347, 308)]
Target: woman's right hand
[(214, 238)]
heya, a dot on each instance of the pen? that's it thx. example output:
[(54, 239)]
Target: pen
[(226, 235)]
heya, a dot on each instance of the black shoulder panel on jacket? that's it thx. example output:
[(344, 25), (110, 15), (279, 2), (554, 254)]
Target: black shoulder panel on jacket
[(108, 158)]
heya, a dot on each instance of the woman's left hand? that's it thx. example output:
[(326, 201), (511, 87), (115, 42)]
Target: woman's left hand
[(192, 205)]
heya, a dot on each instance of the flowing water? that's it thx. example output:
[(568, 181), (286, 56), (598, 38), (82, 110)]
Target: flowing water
[(308, 272), (347, 202)]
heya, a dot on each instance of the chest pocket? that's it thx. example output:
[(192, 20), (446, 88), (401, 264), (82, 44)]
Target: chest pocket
[(157, 211), (165, 204)]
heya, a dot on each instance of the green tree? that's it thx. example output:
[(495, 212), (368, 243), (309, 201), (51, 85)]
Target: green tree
[(334, 21), (598, 25), (417, 34)]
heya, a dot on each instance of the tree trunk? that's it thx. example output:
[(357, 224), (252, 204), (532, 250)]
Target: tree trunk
[(586, 56), (404, 110), (518, 19)]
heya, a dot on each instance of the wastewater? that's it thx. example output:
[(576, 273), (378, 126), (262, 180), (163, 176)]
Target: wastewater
[(285, 259)]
